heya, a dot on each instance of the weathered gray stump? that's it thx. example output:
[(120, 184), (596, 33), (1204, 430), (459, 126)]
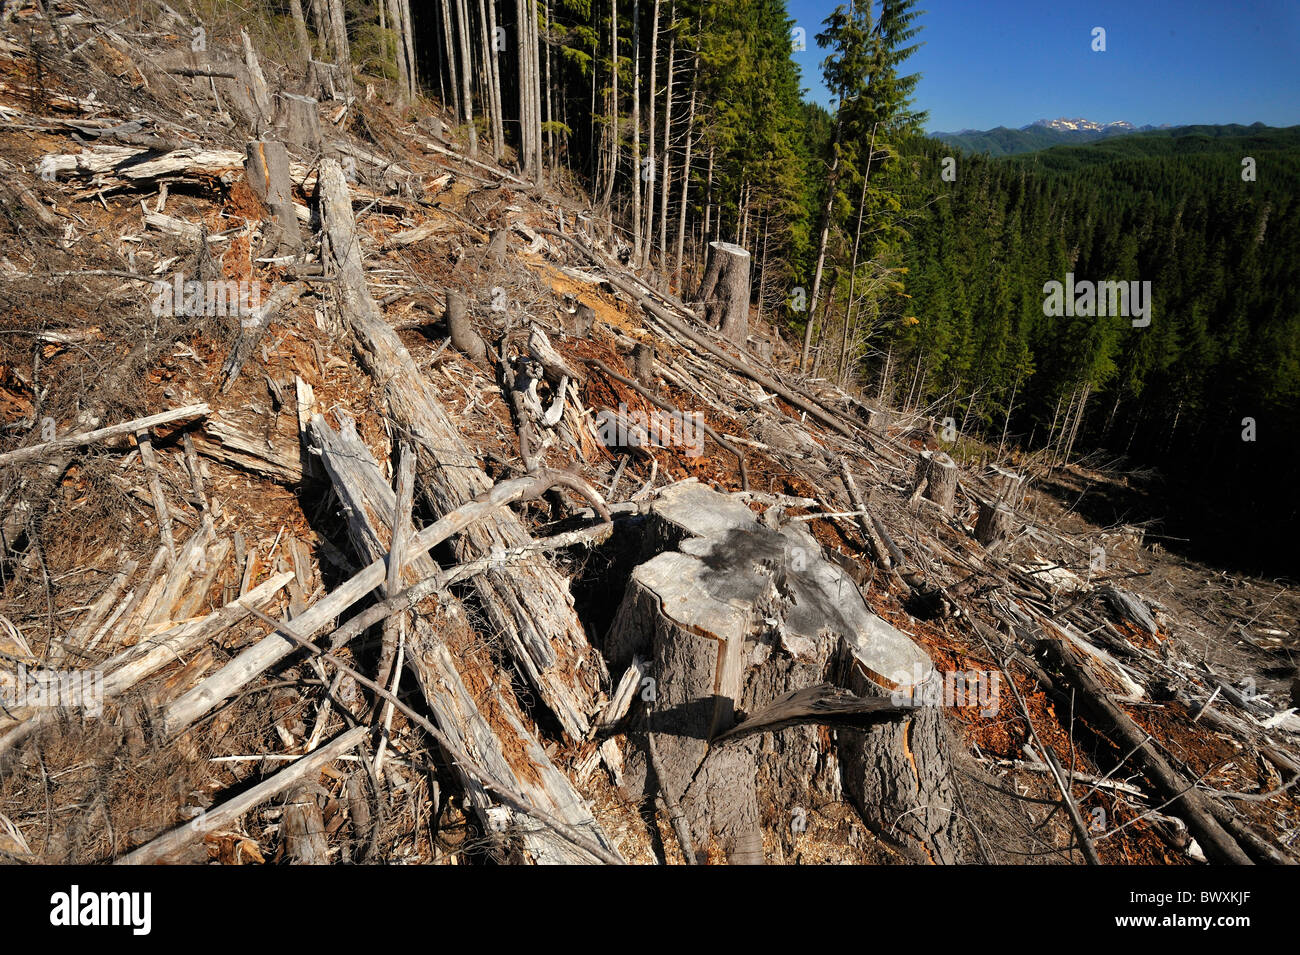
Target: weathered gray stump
[(725, 291), (936, 478), (297, 121), (461, 330), (994, 522), (737, 617), (266, 167)]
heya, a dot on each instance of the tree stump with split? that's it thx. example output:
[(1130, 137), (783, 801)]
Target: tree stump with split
[(735, 624), (725, 291), (936, 478), (1006, 484), (266, 167)]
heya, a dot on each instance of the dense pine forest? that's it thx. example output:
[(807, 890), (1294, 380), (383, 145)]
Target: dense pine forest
[(894, 262)]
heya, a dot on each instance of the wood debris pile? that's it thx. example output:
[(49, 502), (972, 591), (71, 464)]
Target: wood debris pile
[(457, 540)]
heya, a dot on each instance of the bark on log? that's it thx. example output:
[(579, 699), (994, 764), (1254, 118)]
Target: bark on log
[(724, 291), (530, 605)]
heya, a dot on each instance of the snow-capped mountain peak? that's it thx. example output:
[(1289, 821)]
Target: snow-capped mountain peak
[(1079, 125)]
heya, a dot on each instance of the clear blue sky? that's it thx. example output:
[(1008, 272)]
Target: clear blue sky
[(989, 63)]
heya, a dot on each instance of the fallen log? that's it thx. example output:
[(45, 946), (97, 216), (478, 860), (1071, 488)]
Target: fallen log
[(499, 743), (1114, 723), (531, 606)]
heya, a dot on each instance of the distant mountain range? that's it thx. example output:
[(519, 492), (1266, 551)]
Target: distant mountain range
[(1043, 134)]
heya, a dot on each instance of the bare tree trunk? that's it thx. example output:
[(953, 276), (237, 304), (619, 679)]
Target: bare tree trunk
[(857, 239), (492, 105), (300, 27), (725, 291), (613, 112), (636, 131), (494, 65), (550, 117), (708, 205), (665, 185), (686, 168), (395, 14), (342, 50), (451, 58), (466, 68), (654, 173), (408, 38), (823, 235)]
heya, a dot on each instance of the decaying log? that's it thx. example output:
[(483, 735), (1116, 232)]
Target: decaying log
[(303, 828), (502, 742), (531, 605), (936, 479), (740, 617), (724, 291), (461, 330)]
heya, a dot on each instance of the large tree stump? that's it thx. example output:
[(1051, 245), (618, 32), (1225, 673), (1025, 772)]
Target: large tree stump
[(266, 167), (297, 121), (733, 620), (725, 291), (936, 478)]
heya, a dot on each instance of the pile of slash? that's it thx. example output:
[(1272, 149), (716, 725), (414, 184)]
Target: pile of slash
[(353, 499)]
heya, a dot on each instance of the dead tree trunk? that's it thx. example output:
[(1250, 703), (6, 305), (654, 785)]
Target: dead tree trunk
[(530, 605), (725, 291)]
